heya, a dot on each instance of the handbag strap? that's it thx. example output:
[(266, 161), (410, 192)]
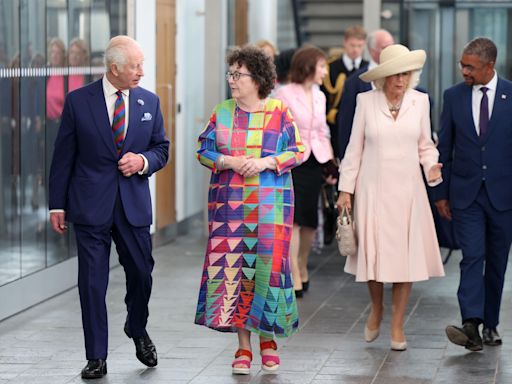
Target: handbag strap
[(346, 213)]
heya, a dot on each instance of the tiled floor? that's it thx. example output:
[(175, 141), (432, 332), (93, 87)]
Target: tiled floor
[(44, 344)]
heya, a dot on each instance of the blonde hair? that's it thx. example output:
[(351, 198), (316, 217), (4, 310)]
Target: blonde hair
[(266, 44), (413, 80), (55, 41), (82, 45)]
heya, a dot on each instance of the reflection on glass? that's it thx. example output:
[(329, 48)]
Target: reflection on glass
[(57, 246), (47, 48), (10, 255), (32, 103)]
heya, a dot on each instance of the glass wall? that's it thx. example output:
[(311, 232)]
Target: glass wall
[(47, 49), (442, 29)]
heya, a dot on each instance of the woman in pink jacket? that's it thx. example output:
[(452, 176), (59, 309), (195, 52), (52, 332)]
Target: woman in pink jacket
[(307, 105)]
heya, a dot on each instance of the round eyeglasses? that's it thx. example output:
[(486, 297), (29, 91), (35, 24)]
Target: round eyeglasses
[(236, 75)]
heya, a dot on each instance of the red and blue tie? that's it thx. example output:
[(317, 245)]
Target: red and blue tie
[(118, 124)]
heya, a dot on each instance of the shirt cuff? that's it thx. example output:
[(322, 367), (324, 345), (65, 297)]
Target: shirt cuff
[(146, 165), (56, 210)]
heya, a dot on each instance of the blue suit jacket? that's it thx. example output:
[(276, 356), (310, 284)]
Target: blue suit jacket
[(468, 159), (84, 179), (353, 86)]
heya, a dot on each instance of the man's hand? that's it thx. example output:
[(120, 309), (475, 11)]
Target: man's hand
[(58, 222), (130, 164), (443, 207)]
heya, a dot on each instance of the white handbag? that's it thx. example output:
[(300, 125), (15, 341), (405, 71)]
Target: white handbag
[(345, 234)]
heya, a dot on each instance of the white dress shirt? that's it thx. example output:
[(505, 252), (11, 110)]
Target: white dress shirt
[(349, 63), (109, 91), (476, 99)]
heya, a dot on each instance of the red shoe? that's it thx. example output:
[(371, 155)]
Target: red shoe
[(247, 363), (269, 363)]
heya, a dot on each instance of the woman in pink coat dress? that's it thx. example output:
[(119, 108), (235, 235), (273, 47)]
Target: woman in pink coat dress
[(381, 170), (307, 104)]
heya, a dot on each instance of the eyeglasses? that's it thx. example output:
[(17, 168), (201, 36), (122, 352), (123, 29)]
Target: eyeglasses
[(236, 75), (470, 68)]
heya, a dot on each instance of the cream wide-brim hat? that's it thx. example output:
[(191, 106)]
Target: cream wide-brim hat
[(395, 59)]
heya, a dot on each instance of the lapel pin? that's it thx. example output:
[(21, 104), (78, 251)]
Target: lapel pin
[(503, 96), (140, 101)]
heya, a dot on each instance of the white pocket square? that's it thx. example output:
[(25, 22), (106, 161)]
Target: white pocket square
[(147, 117)]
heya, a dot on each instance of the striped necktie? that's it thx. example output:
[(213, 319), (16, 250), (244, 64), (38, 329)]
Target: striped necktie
[(118, 122)]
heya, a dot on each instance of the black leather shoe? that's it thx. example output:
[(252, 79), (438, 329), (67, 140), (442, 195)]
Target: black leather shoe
[(305, 286), (468, 336), (144, 347), (299, 293), (95, 369), (491, 337)]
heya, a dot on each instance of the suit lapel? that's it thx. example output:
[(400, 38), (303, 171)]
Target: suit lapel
[(133, 118), (467, 112), (100, 115), (300, 96), (501, 107)]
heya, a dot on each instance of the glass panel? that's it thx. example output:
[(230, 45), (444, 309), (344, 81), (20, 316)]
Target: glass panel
[(492, 23), (56, 88), (32, 108), (391, 19), (10, 253), (47, 48), (100, 35)]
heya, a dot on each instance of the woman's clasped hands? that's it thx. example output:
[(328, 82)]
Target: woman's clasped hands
[(249, 166)]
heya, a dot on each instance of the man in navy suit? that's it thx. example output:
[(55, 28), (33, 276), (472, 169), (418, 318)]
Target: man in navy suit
[(377, 41), (111, 139), (340, 68), (474, 145)]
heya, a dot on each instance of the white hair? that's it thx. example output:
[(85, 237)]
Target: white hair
[(413, 80), (117, 50)]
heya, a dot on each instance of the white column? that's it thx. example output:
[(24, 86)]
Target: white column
[(371, 14), (263, 20)]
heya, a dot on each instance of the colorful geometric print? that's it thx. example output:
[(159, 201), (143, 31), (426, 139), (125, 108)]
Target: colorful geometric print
[(246, 281)]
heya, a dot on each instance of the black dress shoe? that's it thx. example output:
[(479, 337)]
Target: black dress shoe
[(144, 348), (95, 369), (305, 286), (299, 293), (468, 336), (491, 337)]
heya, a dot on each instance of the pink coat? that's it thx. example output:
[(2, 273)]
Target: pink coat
[(397, 240), (312, 125)]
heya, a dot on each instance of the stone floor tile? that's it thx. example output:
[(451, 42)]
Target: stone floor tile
[(44, 344)]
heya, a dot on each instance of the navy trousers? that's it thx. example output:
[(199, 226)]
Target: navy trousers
[(484, 236), (134, 247)]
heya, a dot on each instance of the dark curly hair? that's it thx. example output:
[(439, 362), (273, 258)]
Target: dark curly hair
[(259, 65), (304, 63)]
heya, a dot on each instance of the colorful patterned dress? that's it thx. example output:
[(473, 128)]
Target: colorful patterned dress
[(246, 281)]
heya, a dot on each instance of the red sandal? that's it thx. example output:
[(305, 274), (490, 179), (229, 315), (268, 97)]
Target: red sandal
[(247, 363), (266, 359)]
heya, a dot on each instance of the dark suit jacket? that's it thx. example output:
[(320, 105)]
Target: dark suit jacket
[(468, 159), (84, 179), (338, 66), (353, 86)]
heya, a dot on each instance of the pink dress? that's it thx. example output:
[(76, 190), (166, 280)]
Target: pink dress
[(397, 240)]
